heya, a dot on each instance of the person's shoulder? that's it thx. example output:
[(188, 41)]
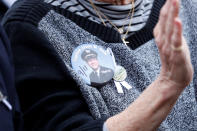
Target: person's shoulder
[(30, 11)]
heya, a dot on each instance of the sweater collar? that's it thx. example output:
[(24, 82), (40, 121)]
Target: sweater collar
[(40, 8), (110, 35), (136, 39)]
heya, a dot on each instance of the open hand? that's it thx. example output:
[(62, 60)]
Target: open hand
[(174, 52)]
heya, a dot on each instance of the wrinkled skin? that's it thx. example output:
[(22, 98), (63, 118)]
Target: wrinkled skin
[(176, 64)]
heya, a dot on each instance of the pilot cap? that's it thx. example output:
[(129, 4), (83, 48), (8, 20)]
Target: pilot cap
[(88, 54)]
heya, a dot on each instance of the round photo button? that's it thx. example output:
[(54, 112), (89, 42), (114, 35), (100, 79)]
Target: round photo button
[(93, 64)]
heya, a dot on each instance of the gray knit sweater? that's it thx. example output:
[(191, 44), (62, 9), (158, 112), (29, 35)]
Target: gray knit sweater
[(141, 63)]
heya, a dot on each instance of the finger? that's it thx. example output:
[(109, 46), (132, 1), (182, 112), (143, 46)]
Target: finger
[(157, 37), (166, 49), (173, 13), (164, 53), (160, 31), (163, 16), (161, 25), (177, 33), (172, 53), (169, 30), (178, 56)]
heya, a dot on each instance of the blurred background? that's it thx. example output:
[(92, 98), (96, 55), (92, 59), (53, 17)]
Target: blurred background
[(4, 5)]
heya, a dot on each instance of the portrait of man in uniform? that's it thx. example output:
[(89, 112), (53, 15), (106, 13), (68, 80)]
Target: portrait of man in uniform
[(100, 74)]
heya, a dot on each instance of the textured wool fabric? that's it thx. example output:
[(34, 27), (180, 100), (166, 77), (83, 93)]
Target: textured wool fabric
[(142, 66), (48, 37)]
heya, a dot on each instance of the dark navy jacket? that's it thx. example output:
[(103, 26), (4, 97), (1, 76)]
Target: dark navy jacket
[(10, 119)]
